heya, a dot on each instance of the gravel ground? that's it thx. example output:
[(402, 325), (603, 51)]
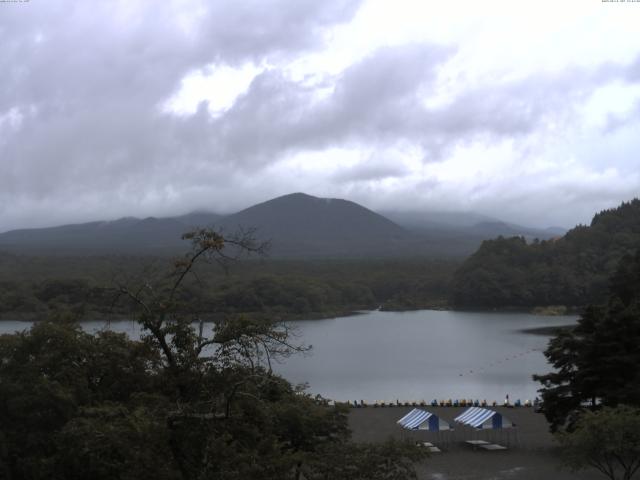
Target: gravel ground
[(531, 452)]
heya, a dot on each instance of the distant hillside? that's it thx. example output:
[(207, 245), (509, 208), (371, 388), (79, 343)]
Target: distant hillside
[(126, 235), (198, 219), (497, 228), (424, 220), (571, 270), (297, 225), (459, 234)]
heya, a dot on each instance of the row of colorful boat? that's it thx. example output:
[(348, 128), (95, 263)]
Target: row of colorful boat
[(446, 403)]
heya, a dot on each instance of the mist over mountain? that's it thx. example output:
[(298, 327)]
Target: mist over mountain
[(461, 233), (425, 220), (496, 228), (470, 223), (198, 219), (297, 225)]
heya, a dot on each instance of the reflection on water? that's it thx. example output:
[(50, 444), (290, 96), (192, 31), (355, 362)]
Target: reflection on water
[(417, 355)]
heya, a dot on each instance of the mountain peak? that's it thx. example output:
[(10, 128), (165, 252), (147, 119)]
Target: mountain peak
[(296, 195), (302, 197), (300, 223)]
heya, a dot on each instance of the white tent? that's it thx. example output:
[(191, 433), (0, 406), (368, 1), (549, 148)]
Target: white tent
[(482, 418), (418, 419)]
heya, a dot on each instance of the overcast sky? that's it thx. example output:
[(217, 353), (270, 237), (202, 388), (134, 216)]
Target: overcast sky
[(525, 110)]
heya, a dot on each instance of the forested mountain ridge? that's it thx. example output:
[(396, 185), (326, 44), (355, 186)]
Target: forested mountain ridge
[(125, 235), (572, 270), (297, 225)]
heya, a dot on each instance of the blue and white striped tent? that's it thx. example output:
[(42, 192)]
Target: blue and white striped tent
[(418, 419), (482, 418)]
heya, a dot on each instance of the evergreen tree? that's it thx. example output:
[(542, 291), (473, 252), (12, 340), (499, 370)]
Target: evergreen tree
[(598, 362)]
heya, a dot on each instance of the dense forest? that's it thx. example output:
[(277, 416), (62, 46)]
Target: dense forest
[(596, 363), (176, 404), (568, 271), (37, 287), (572, 270)]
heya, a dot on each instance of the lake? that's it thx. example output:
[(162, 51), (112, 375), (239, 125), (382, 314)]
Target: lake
[(417, 355)]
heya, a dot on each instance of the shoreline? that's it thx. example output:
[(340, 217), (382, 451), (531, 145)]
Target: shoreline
[(548, 331), (531, 453), (288, 317)]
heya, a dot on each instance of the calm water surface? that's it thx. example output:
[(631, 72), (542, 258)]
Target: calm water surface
[(423, 355), (417, 355)]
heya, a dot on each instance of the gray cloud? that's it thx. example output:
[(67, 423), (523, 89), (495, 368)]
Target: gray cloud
[(88, 82), (616, 121), (87, 49), (379, 100), (373, 101), (368, 171)]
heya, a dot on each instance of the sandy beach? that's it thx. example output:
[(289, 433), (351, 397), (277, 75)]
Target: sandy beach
[(531, 451)]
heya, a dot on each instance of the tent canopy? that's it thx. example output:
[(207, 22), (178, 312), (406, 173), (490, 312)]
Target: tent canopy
[(483, 418), (418, 419)]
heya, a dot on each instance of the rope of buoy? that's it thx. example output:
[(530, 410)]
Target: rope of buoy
[(496, 362)]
